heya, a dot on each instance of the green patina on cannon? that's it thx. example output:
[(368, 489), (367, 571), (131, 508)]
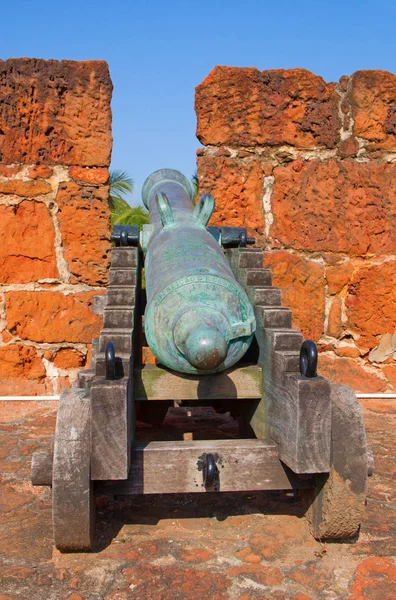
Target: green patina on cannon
[(198, 318), (222, 338)]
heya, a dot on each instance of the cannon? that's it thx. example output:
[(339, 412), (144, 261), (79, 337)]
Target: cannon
[(221, 337)]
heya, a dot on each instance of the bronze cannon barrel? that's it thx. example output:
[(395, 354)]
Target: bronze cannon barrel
[(198, 319)]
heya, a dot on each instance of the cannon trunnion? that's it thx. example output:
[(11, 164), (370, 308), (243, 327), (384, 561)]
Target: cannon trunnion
[(297, 431)]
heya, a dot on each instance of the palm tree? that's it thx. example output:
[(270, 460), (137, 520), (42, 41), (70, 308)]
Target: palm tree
[(122, 213)]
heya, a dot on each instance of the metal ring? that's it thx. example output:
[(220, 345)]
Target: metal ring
[(110, 361), (308, 359), (209, 472)]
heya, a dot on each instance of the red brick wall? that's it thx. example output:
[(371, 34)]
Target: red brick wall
[(55, 145), (310, 168)]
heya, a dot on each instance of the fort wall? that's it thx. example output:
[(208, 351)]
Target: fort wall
[(309, 168)]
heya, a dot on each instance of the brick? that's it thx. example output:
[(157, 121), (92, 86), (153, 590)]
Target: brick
[(52, 316), (68, 358), (27, 250), (84, 221), (94, 176), (55, 112), (373, 101), (237, 190), (302, 285), (349, 372), (371, 302), (24, 188), (39, 171), (336, 206), (246, 107)]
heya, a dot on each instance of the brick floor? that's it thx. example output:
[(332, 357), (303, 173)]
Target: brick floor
[(246, 546)]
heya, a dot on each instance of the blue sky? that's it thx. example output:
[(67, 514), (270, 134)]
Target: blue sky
[(159, 51)]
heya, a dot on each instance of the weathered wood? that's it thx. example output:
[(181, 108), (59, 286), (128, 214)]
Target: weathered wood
[(265, 295), (99, 303), (121, 296), (41, 473), (173, 467), (250, 258), (112, 418), (124, 257), (335, 506), (94, 352), (119, 318), (121, 338), (113, 414), (299, 420), (295, 411), (241, 258), (259, 277), (122, 277), (158, 383), (85, 378), (275, 317), (73, 503)]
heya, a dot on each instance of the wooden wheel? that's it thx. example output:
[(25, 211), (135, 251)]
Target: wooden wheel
[(73, 502), (334, 508)]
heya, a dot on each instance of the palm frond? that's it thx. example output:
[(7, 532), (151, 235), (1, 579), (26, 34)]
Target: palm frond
[(130, 216), (120, 184)]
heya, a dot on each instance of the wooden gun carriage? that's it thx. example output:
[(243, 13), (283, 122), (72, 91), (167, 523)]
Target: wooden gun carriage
[(297, 430)]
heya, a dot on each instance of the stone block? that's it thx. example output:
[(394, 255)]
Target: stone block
[(371, 302), (27, 243), (22, 371), (373, 99), (246, 107), (84, 221), (336, 206), (51, 317), (338, 274), (55, 112), (68, 358), (348, 371), (237, 190), (302, 285)]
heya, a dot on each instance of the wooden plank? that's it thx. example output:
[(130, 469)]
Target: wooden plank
[(295, 409), (174, 468), (157, 383), (41, 473), (73, 502), (112, 416), (335, 506)]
